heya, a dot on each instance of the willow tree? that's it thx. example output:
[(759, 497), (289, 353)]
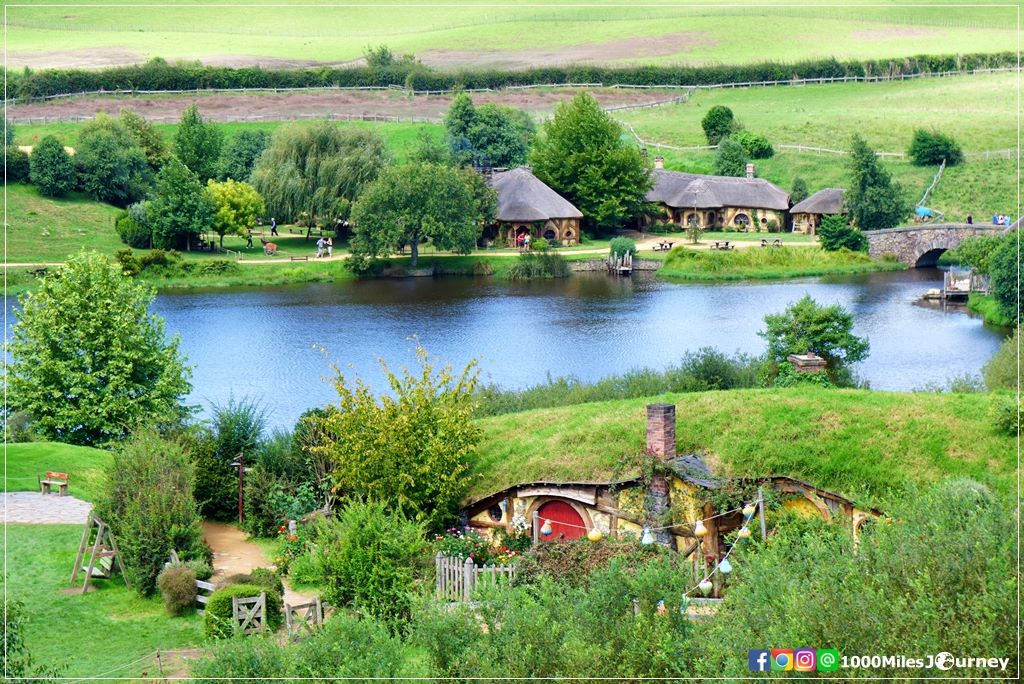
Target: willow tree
[(317, 170)]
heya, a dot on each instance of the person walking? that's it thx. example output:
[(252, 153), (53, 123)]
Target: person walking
[(330, 247), (970, 220), (319, 248), (273, 226), (248, 238)]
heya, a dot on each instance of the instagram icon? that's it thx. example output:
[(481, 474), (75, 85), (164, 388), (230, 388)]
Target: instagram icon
[(804, 660)]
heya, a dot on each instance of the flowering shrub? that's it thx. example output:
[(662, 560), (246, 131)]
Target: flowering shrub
[(289, 546), (456, 543)]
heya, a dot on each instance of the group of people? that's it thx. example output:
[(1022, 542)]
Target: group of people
[(324, 244), (1002, 220)]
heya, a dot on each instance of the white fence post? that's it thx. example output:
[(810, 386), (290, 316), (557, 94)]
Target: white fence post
[(469, 575)]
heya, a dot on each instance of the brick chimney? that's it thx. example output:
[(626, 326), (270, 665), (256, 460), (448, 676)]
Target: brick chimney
[(659, 162), (661, 430), (750, 171)]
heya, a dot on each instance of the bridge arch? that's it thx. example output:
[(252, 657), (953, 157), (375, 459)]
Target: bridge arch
[(921, 246)]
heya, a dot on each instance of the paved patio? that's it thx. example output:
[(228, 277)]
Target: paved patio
[(43, 509)]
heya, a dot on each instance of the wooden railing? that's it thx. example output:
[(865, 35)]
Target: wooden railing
[(457, 579)]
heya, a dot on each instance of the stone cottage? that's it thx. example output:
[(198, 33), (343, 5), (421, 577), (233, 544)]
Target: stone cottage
[(717, 202), (681, 491), (527, 206), (807, 214)]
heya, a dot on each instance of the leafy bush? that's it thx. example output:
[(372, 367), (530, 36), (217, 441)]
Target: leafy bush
[(931, 147), (836, 233), (620, 246), (177, 584), (1006, 414), (51, 168), (350, 647), (788, 376), (469, 543), (573, 562), (373, 558), (261, 577), (134, 234), (252, 659), (1008, 289), (236, 427), (149, 506), (718, 124), (218, 619), (543, 265), (1003, 370), (109, 164), (730, 158), (799, 192), (754, 144), (539, 245), (18, 168)]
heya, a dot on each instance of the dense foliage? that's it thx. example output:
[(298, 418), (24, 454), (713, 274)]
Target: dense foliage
[(977, 252), (836, 233), (235, 428), (17, 168), (218, 619), (583, 157), (146, 137), (1007, 286), (731, 158), (718, 124), (197, 144), (491, 135), (412, 447), (236, 207), (620, 246), (109, 164), (754, 144), (149, 506), (415, 202), (177, 585), (799, 192), (539, 264), (51, 168), (1003, 370), (873, 200), (239, 155), (931, 148), (806, 326), (88, 359), (182, 209), (314, 172)]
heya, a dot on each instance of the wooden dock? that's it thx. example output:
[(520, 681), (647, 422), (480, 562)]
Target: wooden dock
[(620, 265), (958, 286)]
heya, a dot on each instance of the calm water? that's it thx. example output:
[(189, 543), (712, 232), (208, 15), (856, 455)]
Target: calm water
[(265, 343)]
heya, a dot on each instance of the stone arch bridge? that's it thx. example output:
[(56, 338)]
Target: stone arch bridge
[(919, 246)]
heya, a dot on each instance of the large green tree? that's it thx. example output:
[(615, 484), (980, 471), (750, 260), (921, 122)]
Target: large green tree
[(873, 200), (237, 206), (110, 165), (89, 360), (182, 208), (413, 202), (197, 143), (317, 170), (806, 326), (719, 123), (412, 447), (491, 135), (240, 154), (1005, 271), (146, 137), (51, 168), (730, 158), (582, 155)]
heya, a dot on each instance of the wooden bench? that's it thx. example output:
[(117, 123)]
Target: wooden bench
[(723, 245), (663, 246), (51, 480), (297, 258)]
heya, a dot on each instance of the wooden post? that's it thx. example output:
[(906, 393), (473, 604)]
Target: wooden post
[(81, 547), (760, 513), (439, 574), (536, 528), (92, 556), (467, 577)]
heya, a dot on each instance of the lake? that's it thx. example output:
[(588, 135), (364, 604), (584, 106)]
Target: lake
[(276, 344)]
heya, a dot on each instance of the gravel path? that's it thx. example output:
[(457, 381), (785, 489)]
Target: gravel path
[(43, 509)]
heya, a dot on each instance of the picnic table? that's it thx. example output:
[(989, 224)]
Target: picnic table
[(723, 244), (775, 243), (663, 246)]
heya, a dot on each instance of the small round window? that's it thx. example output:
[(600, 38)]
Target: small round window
[(496, 513)]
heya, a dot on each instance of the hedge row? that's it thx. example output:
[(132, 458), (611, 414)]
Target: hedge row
[(159, 75)]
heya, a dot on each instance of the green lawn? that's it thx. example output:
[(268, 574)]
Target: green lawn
[(491, 33), (41, 229), (88, 633), (767, 263), (84, 466), (870, 446), (400, 137)]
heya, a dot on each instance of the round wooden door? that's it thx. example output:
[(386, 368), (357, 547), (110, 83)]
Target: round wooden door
[(566, 523)]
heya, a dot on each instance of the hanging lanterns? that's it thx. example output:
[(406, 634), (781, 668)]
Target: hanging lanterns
[(647, 539), (725, 567), (546, 528), (699, 530), (749, 509), (744, 532), (594, 535), (705, 587)]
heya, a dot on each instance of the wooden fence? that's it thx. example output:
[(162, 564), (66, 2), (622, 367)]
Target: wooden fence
[(203, 591), (457, 579), (305, 617), (249, 614)]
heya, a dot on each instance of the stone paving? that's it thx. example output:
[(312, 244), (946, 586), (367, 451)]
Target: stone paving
[(43, 509)]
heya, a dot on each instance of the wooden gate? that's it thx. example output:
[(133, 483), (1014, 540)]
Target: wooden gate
[(305, 617), (249, 613), (458, 578)]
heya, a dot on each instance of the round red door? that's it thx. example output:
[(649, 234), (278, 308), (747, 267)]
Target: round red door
[(566, 523)]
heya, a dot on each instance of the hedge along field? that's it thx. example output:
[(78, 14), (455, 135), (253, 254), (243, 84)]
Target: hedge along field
[(461, 34)]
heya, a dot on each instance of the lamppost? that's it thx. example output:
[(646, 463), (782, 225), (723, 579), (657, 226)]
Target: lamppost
[(241, 476)]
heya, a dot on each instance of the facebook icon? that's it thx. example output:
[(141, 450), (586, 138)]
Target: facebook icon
[(758, 661)]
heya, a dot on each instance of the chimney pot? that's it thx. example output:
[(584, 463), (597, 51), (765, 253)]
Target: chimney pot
[(659, 162), (750, 170), (661, 430)]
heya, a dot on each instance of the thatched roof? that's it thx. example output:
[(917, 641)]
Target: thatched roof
[(523, 197), (827, 201), (682, 190)]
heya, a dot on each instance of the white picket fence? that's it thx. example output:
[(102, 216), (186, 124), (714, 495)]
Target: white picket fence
[(457, 579)]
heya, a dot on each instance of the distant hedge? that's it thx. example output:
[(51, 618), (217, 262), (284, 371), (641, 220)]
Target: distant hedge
[(159, 75)]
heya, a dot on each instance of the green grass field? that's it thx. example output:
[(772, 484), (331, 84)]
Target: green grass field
[(91, 633), (767, 263), (84, 466), (465, 33), (870, 446)]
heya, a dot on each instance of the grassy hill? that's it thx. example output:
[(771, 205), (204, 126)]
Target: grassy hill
[(84, 465), (462, 33), (870, 446)]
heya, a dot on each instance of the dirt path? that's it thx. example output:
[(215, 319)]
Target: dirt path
[(234, 554)]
